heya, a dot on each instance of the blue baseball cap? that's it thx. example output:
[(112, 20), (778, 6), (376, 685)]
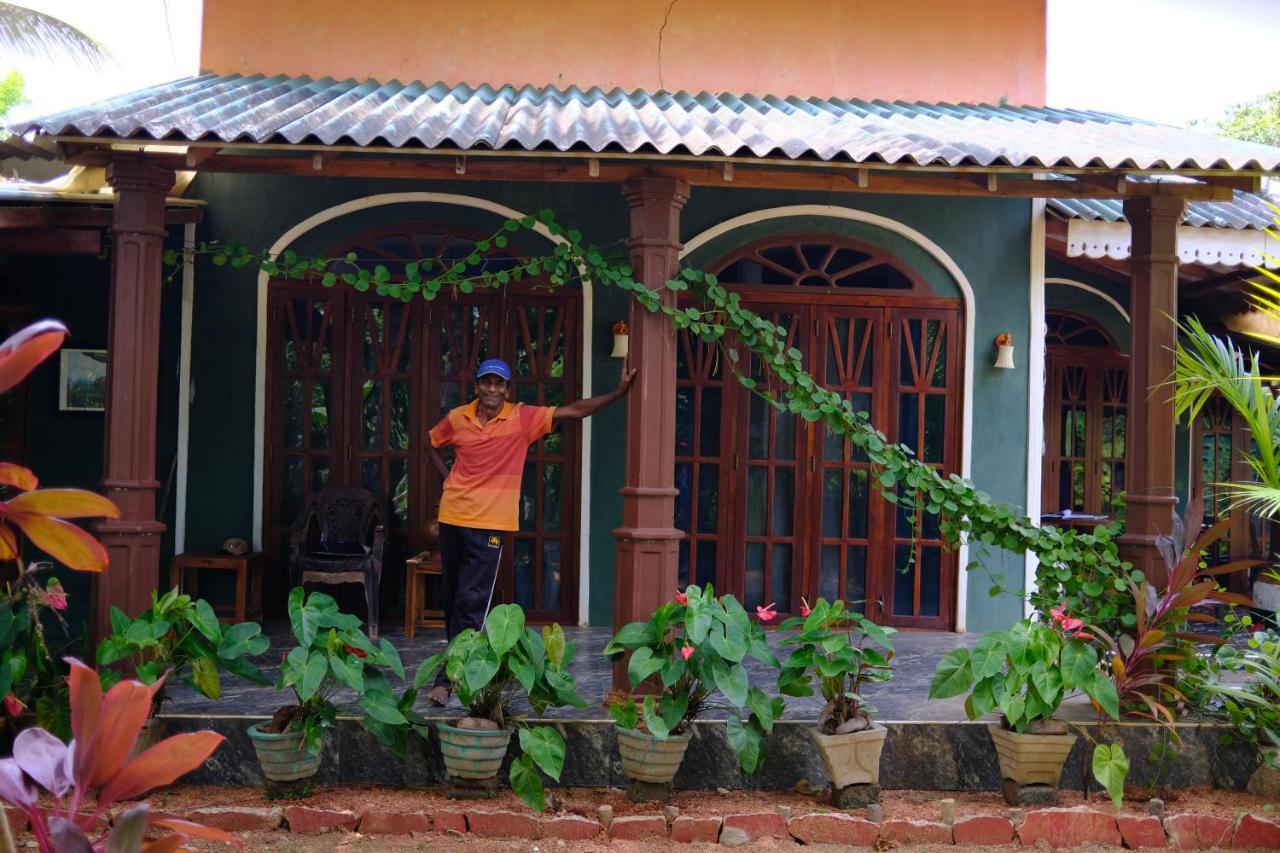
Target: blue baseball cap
[(496, 366)]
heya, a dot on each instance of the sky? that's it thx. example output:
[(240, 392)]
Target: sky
[(1166, 60)]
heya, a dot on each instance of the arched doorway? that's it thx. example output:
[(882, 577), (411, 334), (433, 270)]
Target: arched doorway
[(775, 508), (354, 380)]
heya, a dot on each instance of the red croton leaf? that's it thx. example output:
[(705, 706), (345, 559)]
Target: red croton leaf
[(8, 543), (62, 540), (64, 503), (124, 709), (26, 348), (17, 476), (194, 830), (162, 764), (86, 707)]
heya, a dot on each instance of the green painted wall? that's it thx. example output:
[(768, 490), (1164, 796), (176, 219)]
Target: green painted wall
[(988, 239)]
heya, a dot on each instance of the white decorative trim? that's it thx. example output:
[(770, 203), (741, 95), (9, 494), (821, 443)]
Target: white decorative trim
[(184, 390), (1103, 295), (1227, 247), (1035, 387), (938, 254), (260, 373)]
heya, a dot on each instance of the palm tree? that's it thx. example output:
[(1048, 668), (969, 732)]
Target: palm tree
[(37, 35)]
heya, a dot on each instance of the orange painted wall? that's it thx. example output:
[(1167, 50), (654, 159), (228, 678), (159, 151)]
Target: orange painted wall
[(954, 50)]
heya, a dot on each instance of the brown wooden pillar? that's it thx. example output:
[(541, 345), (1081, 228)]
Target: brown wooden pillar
[(133, 349), (647, 567), (1153, 307)]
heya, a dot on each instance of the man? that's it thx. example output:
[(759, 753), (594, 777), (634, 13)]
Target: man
[(490, 437)]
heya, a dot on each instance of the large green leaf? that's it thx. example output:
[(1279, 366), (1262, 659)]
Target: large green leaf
[(762, 706), (204, 675), (391, 656), (304, 617), (1110, 768), (546, 747), (625, 713), (243, 638), (481, 666), (642, 665), (554, 644), (630, 636), (202, 617), (313, 675), (729, 642), (1103, 691), (526, 783), (653, 721), (732, 681), (988, 656), (427, 670), (382, 707), (953, 675), (1078, 664), (747, 743), (113, 648), (348, 670), (504, 625), (981, 700)]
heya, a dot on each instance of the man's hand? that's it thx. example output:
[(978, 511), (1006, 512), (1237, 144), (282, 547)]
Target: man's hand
[(624, 384)]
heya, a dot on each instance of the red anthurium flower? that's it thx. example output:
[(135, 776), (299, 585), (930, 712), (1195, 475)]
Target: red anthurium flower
[(681, 598), (1082, 635), (766, 613), (686, 652), (805, 609), (13, 705), (55, 595), (1057, 614), (1072, 624), (352, 650)]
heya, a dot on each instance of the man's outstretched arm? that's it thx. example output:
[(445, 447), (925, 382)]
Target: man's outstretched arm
[(580, 409)]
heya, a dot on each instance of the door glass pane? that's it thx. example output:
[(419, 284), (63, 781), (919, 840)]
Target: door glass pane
[(757, 495), (903, 581), (372, 414), (319, 473), (909, 353), (682, 570), (780, 578), (829, 572), (909, 421), (550, 574), (320, 414), (709, 433), (785, 441), (753, 587), (291, 499), (684, 421), (832, 502), (858, 503), (528, 497), (399, 481), (855, 584), (293, 400), (706, 567), (938, 346), (371, 473), (684, 500), (758, 429), (523, 570), (935, 428), (708, 497), (784, 500), (400, 408), (930, 579), (552, 501), (837, 334)]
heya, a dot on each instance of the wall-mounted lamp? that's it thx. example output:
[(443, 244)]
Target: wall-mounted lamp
[(620, 336), (1004, 351)]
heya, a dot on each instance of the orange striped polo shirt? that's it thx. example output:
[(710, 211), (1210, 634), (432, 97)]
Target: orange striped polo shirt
[(483, 488)]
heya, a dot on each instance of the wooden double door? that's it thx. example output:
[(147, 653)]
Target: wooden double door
[(356, 380), (777, 508)]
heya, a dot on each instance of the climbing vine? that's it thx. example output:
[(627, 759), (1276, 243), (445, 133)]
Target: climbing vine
[(1081, 572)]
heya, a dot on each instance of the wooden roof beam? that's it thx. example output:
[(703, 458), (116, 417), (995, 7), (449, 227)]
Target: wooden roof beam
[(29, 218)]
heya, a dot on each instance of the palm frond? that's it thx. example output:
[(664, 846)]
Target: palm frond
[(40, 36)]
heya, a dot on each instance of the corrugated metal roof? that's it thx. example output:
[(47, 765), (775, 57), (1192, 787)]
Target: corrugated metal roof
[(300, 110), (1245, 210)]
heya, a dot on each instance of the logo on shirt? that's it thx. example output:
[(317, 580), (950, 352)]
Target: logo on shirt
[(495, 542)]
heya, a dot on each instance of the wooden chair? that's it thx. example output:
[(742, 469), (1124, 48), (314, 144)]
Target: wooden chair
[(340, 538)]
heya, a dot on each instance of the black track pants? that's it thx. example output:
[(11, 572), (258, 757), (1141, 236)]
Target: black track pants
[(469, 558)]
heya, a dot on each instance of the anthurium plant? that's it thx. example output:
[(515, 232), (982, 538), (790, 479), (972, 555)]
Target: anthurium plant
[(694, 648), (65, 791), (843, 651), (181, 636), (490, 668), (1025, 673), (32, 684), (333, 654)]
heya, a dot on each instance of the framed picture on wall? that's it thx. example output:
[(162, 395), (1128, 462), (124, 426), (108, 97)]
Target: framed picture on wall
[(82, 381)]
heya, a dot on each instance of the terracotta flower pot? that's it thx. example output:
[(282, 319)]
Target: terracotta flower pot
[(284, 757), (852, 759), (473, 754), (646, 758), (1031, 759)]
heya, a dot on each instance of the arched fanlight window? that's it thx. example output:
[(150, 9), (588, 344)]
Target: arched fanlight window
[(819, 262)]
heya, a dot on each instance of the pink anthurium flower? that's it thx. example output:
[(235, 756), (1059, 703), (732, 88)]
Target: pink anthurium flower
[(805, 609), (681, 598), (13, 705), (1057, 614), (55, 595), (1072, 624), (686, 652), (767, 612)]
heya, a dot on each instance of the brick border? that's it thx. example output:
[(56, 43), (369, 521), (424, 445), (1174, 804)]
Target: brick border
[(1058, 827)]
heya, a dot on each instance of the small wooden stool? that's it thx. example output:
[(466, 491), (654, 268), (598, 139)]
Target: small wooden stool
[(249, 570), (416, 570)]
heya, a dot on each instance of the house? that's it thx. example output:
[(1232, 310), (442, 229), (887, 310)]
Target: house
[(878, 177)]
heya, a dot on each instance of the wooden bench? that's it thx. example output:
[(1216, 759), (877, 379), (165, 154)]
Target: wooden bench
[(416, 571)]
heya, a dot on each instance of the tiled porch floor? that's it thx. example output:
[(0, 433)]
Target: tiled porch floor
[(903, 698)]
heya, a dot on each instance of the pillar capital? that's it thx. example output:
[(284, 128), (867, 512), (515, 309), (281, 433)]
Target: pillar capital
[(135, 173)]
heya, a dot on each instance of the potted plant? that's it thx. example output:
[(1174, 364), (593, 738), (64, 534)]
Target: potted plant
[(332, 654), (1025, 673), (181, 637), (32, 684), (837, 647), (488, 669), (689, 651)]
